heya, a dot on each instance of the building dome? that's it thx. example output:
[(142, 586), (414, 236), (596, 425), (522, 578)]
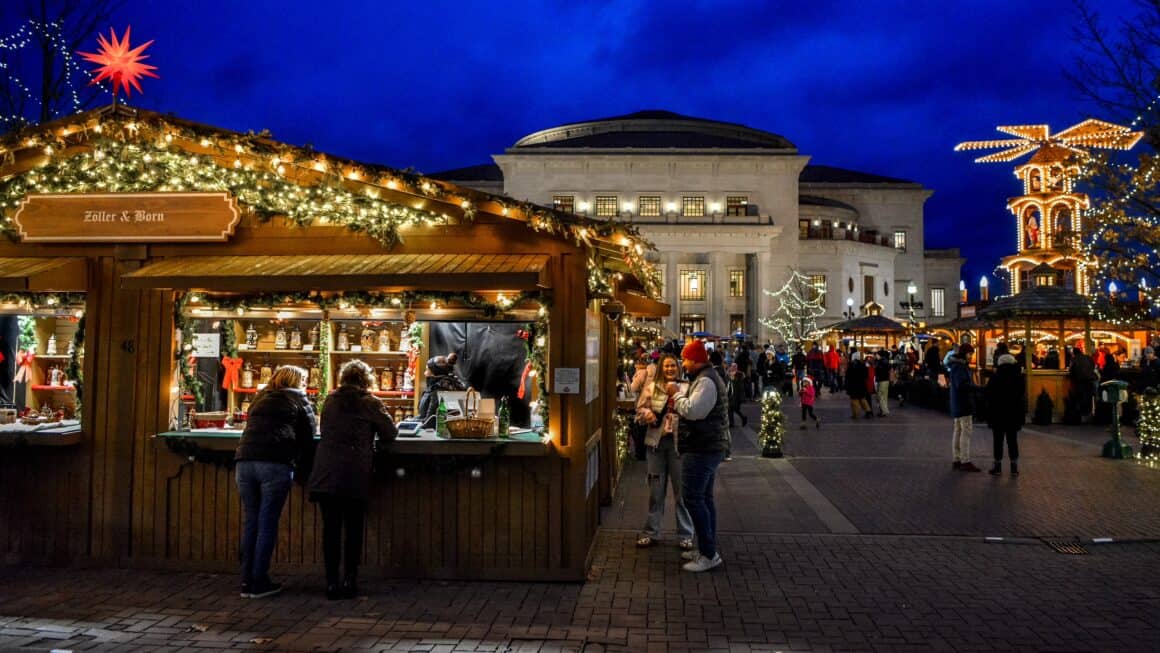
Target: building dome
[(654, 130)]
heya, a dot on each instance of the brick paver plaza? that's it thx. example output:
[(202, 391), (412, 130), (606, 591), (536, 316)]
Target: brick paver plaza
[(862, 538)]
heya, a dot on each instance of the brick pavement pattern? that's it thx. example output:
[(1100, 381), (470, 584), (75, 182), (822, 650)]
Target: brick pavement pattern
[(914, 574)]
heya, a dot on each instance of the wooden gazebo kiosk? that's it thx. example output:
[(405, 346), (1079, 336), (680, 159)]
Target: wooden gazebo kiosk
[(890, 331), (1048, 312), (192, 260)]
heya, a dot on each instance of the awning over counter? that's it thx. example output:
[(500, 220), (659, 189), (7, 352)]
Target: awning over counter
[(42, 275), (641, 306), (443, 272)]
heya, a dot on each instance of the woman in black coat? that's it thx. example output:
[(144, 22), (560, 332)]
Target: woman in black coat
[(1006, 402), (856, 377), (352, 418), (279, 435)]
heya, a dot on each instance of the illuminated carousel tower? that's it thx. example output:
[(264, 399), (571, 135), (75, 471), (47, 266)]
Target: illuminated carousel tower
[(1049, 214)]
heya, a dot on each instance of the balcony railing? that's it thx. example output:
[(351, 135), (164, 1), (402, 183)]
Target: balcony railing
[(868, 236)]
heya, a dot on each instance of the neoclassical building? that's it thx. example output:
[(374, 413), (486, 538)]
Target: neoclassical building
[(732, 211)]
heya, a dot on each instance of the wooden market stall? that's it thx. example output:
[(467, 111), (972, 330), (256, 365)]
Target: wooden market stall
[(207, 255)]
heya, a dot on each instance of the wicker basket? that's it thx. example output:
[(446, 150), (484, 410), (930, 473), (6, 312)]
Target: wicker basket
[(464, 428), (470, 426)]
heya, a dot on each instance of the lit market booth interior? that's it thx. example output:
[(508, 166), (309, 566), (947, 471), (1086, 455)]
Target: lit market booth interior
[(215, 256)]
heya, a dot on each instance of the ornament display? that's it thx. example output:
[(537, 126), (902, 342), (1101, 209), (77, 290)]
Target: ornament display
[(368, 338), (295, 338), (342, 341), (384, 340), (50, 347), (251, 337), (280, 340), (248, 375), (265, 373)]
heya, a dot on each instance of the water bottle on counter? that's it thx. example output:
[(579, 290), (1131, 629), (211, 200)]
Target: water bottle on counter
[(503, 429), (441, 419)]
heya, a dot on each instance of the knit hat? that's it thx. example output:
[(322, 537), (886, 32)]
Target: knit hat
[(1007, 359), (695, 351)]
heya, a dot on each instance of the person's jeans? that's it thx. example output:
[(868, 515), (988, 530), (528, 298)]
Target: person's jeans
[(1012, 437), (339, 514), (884, 397), (961, 439), (263, 487), (664, 468), (699, 470)]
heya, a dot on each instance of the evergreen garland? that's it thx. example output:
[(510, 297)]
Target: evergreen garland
[(323, 366), (229, 338), (772, 432), (27, 333), (1148, 425), (74, 370), (622, 429), (183, 326)]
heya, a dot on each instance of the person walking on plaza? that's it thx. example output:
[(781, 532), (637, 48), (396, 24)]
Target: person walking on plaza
[(843, 365), (279, 435), (352, 418), (1006, 401), (798, 360), (856, 379), (882, 382), (807, 395), (703, 442), (654, 409), (736, 383), (744, 363), (831, 359), (962, 409), (1084, 380)]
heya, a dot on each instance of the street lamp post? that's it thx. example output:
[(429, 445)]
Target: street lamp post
[(849, 308)]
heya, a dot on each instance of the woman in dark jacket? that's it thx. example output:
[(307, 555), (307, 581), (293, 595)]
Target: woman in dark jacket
[(1005, 397), (279, 435), (352, 418)]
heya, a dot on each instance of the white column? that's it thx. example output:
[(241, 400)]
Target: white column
[(765, 281), (716, 315), (672, 291)]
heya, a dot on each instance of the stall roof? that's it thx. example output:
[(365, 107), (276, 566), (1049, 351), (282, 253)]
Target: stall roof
[(869, 324), (640, 305), (42, 274), (345, 272)]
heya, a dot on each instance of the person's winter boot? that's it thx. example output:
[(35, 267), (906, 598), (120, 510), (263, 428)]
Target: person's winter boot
[(350, 585), (996, 469), (1014, 468)]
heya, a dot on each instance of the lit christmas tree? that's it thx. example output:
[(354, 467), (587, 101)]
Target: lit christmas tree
[(1148, 425), (799, 305), (772, 432)]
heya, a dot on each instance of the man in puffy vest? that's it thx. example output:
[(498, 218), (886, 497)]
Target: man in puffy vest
[(703, 440)]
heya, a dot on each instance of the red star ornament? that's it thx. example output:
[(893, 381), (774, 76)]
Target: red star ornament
[(120, 63)]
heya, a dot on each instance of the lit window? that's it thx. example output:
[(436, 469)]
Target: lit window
[(736, 204), (693, 206), (566, 203), (692, 322), (736, 323), (660, 271), (900, 240), (938, 302), (736, 283), (650, 206), (606, 206), (693, 285), (817, 284)]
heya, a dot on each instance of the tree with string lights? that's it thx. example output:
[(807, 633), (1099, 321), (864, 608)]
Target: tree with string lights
[(1119, 71), (799, 305), (41, 78)]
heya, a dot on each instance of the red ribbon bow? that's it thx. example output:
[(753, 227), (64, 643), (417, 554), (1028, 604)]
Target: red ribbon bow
[(232, 378), (24, 367)]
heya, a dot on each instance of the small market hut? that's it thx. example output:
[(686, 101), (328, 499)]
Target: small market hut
[(890, 331), (1046, 312), (159, 269)]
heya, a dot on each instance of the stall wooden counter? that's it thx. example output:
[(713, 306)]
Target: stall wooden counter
[(213, 233)]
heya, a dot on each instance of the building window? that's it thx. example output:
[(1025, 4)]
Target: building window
[(693, 206), (565, 203), (736, 204), (736, 323), (737, 282), (817, 284), (900, 240), (693, 285), (606, 206), (867, 289), (692, 323), (660, 272), (938, 302), (650, 206), (803, 229)]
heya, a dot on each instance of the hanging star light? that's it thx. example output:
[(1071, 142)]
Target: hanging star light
[(119, 63)]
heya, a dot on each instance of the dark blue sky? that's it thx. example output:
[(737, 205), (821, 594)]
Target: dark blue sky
[(887, 87)]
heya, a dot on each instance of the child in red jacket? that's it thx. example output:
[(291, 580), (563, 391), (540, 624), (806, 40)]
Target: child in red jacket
[(807, 395)]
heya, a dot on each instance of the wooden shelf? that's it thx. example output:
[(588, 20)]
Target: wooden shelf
[(53, 388), (369, 353), (394, 394), (277, 351), (51, 357), (250, 391)]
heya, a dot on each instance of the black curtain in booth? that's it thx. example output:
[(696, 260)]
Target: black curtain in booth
[(491, 360), (9, 341)]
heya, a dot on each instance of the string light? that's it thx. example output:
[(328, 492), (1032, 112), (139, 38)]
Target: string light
[(799, 305)]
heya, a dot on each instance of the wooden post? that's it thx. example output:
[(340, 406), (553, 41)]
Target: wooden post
[(1027, 358)]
